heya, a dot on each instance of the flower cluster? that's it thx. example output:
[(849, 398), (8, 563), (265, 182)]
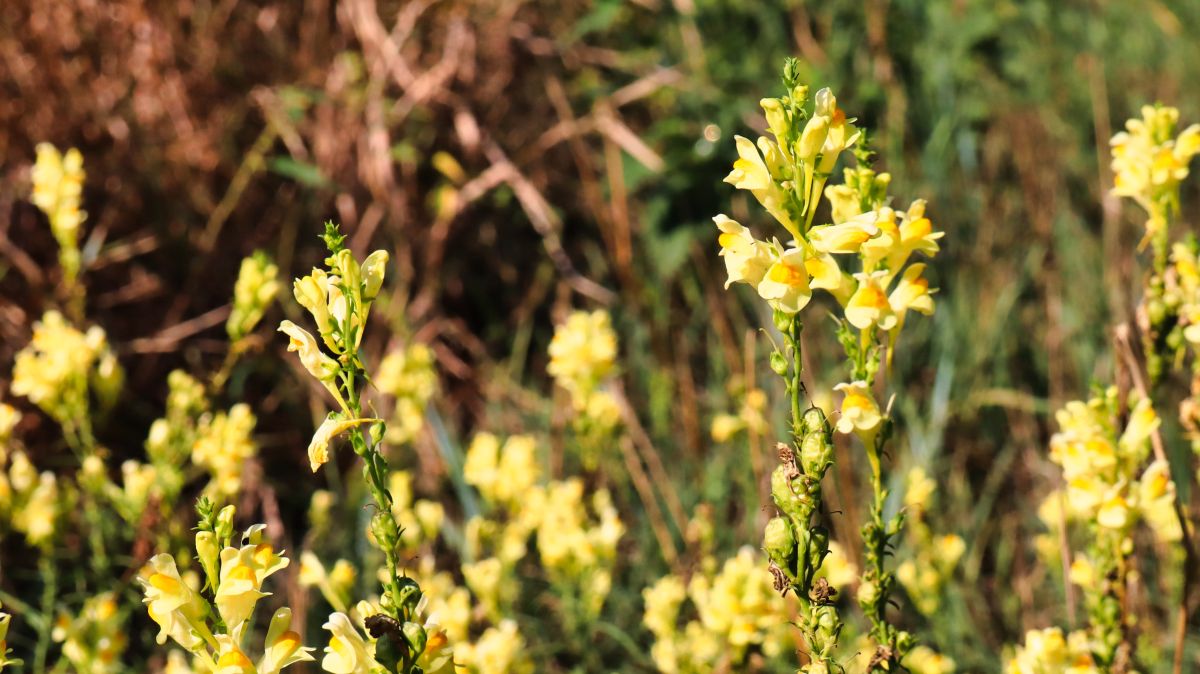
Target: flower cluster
[(57, 191), (339, 298), (213, 624), (31, 500), (583, 354), (1103, 471), (1149, 161), (750, 417), (59, 367), (223, 444), (408, 376), (1048, 651), (1108, 490), (736, 613), (256, 287)]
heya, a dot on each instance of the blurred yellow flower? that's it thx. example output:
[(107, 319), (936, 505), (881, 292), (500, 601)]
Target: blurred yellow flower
[(583, 352)]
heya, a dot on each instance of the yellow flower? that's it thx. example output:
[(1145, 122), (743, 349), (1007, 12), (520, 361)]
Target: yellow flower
[(283, 646), (373, 269), (313, 293), (849, 236), (750, 172), (919, 488), (1082, 572), (786, 284), (57, 191), (37, 519), (502, 475), (347, 652), (869, 305), (9, 418), (312, 358), (256, 287), (859, 413), (1156, 501), (240, 587), (912, 292), (408, 375), (55, 368), (173, 604), (746, 258), (333, 426), (223, 444)]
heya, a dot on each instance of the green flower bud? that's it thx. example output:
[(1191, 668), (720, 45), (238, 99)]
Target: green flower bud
[(780, 543), (904, 643), (384, 529), (825, 618), (818, 547)]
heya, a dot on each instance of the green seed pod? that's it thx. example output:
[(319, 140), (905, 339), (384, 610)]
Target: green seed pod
[(779, 364), (415, 635), (816, 454), (825, 618), (783, 321), (814, 420), (818, 547), (781, 491), (780, 543)]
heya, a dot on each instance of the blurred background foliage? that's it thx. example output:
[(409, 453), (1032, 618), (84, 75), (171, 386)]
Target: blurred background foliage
[(519, 159)]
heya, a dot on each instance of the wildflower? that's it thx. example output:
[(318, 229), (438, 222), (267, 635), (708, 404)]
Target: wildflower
[(1049, 650), (9, 418), (223, 445), (924, 660), (750, 173), (860, 413), (283, 646), (870, 305), (55, 368), (172, 604), (786, 284), (333, 426), (849, 236), (317, 363), (498, 650), (348, 652), (746, 258), (93, 638), (503, 475), (38, 518)]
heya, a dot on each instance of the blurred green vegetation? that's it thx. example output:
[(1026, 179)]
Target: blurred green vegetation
[(583, 148)]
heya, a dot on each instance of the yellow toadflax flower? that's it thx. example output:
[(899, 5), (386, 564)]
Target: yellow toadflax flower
[(348, 652), (859, 412), (1149, 161), (746, 258), (256, 287)]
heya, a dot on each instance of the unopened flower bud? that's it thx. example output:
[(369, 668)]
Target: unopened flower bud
[(777, 119), (813, 138)]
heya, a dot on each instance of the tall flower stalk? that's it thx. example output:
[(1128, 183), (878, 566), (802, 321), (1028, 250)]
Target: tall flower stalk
[(339, 297), (861, 259)]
